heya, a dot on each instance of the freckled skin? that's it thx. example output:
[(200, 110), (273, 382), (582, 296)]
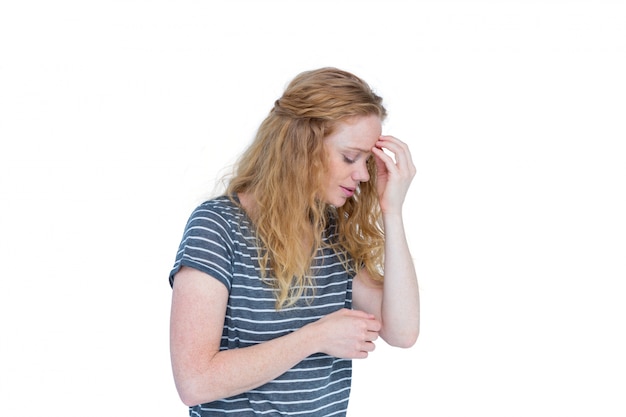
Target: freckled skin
[(348, 149)]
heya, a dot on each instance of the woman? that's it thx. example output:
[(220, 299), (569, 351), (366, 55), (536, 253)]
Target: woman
[(278, 284)]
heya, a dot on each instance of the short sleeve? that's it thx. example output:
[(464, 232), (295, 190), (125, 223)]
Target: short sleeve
[(206, 245)]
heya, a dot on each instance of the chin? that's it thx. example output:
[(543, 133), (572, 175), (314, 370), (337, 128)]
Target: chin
[(335, 201), (338, 203)]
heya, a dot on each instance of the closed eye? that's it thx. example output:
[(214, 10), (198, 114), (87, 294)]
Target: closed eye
[(348, 160)]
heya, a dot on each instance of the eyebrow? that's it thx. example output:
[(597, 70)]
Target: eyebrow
[(359, 149)]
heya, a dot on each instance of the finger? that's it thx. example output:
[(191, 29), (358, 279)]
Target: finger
[(374, 325), (384, 159), (368, 347), (400, 150), (371, 336), (381, 165), (360, 314), (395, 145), (403, 164), (393, 151), (391, 139)]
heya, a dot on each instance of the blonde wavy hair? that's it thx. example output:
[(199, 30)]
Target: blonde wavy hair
[(283, 173)]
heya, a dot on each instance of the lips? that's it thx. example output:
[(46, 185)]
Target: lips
[(349, 192)]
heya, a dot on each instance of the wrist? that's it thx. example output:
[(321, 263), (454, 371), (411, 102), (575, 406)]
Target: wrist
[(310, 336), (390, 216)]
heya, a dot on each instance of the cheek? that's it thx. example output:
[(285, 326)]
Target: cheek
[(335, 170)]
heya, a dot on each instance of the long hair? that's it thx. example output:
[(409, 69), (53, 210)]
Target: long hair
[(283, 172)]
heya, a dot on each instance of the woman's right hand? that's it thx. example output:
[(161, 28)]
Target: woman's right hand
[(347, 334)]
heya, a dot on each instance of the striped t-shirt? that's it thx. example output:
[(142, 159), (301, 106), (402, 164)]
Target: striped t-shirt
[(219, 240)]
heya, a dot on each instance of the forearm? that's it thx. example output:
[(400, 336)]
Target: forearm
[(203, 373), (231, 372), (400, 302)]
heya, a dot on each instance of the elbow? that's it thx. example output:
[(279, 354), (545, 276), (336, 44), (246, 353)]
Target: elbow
[(405, 339), (188, 401), (405, 342), (192, 394), (188, 396)]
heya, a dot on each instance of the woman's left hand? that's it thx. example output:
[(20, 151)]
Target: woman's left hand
[(393, 177)]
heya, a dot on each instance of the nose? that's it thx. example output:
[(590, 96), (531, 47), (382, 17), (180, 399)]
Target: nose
[(361, 174)]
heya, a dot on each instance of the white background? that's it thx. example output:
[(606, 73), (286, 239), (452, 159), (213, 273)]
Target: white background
[(116, 118)]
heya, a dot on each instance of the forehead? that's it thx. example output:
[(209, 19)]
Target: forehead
[(357, 133)]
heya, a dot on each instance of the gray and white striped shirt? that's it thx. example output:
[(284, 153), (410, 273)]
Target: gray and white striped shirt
[(219, 240)]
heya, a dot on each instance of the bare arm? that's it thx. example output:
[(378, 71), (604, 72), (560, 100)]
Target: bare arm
[(397, 302), (203, 373)]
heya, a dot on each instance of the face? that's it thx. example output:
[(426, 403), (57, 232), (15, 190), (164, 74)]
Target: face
[(348, 149)]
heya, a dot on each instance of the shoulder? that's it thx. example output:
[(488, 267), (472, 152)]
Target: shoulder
[(221, 210), (221, 206), (218, 219)]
